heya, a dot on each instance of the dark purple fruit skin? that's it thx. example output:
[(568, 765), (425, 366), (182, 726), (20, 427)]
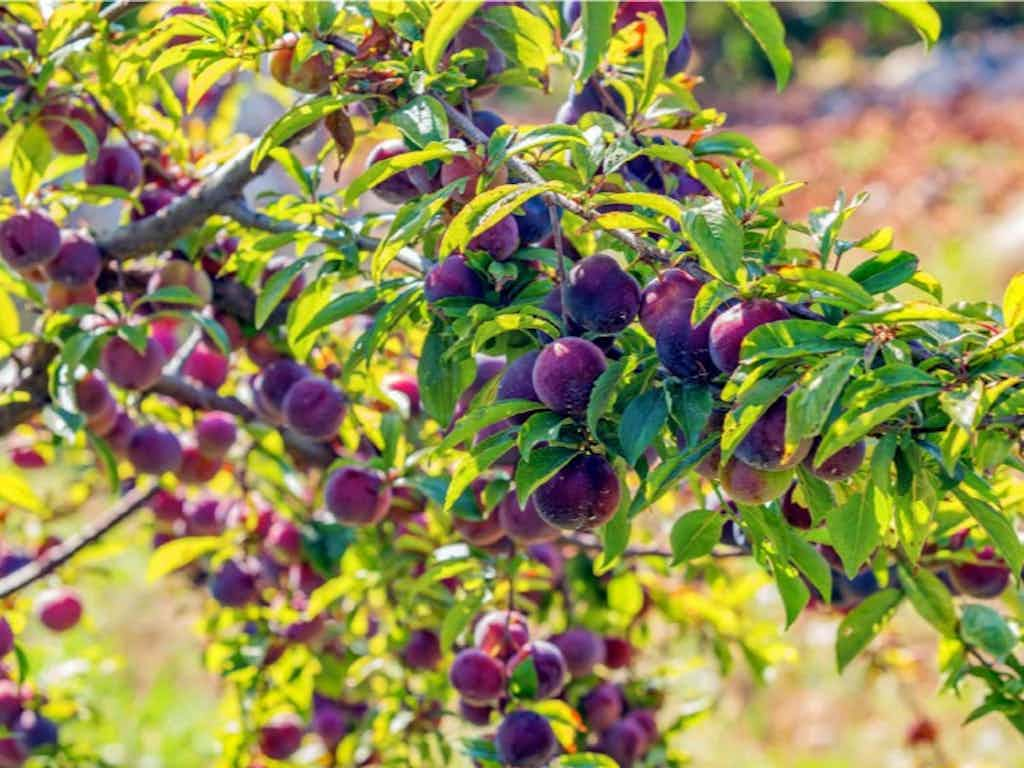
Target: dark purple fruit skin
[(524, 524), (314, 407), (981, 580), (234, 584), (501, 634), (59, 609), (452, 277), (796, 514), (525, 740), (478, 677), (55, 117), (404, 185), (117, 166), (683, 348), (215, 434), (12, 72), (764, 446), (664, 176), (517, 382), (28, 239), (548, 663), (127, 368), (480, 533), (281, 737), (589, 100), (534, 223), (602, 706), (357, 496), (6, 637), (601, 296), (582, 649), (840, 465), (475, 714), (732, 326), (153, 450), (582, 495), (36, 731), (623, 743), (272, 385), (565, 372), (152, 199), (680, 56), (670, 292), (471, 36), (500, 241), (487, 121), (423, 650), (78, 261)]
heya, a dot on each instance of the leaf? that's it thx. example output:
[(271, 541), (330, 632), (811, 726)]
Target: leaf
[(690, 403), (441, 381), (201, 81), (525, 38), (16, 492), (853, 529), (345, 305), (586, 759), (675, 23), (615, 534), (811, 401), (852, 294), (421, 121), (477, 419), (178, 553), (998, 527), (930, 599), (909, 312), (523, 680), (292, 122), (654, 58), (603, 394), (860, 626), (793, 591), (717, 237), (597, 18), (642, 419), (446, 19), (484, 211), (385, 169), (695, 534), (1013, 301), (472, 465), (542, 427), (763, 22), (921, 15), (708, 299), (885, 271), (811, 563), (458, 618), (275, 289), (542, 465), (985, 628)]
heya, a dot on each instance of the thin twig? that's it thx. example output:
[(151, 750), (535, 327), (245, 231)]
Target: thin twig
[(563, 280)]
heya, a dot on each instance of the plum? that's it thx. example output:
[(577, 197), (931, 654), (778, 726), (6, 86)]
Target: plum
[(38, 732), (12, 699), (487, 121), (357, 495), (28, 238), (670, 292), (644, 720), (732, 326), (404, 185), (602, 707), (664, 176), (582, 649), (272, 385), (179, 273), (984, 579), (330, 723), (601, 296), (12, 71), (679, 57), (196, 468), (93, 396), (406, 389), (166, 506), (116, 165), (748, 485), (281, 736), (548, 664), (499, 241), (471, 35), (60, 297), (565, 372), (841, 465), (234, 584), (27, 458), (534, 223), (215, 434), (59, 120), (407, 504), (422, 650), (471, 168), (6, 637), (152, 199), (583, 494), (477, 676), (590, 99), (59, 609), (13, 751), (120, 433), (129, 369), (154, 450), (314, 407), (475, 714), (764, 445), (525, 740), (207, 366), (482, 532), (618, 652), (517, 381), (452, 277), (501, 633), (311, 76), (623, 742), (796, 514), (524, 524), (78, 261), (683, 348)]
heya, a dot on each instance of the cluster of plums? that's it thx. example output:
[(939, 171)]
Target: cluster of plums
[(24, 730)]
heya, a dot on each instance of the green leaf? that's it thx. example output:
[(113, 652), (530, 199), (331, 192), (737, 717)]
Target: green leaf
[(458, 618), (717, 237), (292, 122), (921, 15), (998, 527), (442, 380), (275, 289), (421, 121), (523, 680), (675, 23), (385, 169), (690, 403), (642, 419), (214, 331), (853, 529), (885, 271), (811, 563), (446, 19), (603, 394), (708, 299), (985, 628), (860, 626), (614, 535), (345, 305), (763, 22), (178, 553), (479, 418), (657, 203), (909, 312), (541, 467), (817, 390), (793, 591), (471, 466), (930, 599), (850, 293), (1013, 301), (654, 58), (542, 427), (525, 38), (585, 759), (695, 534), (202, 80), (484, 211), (597, 18)]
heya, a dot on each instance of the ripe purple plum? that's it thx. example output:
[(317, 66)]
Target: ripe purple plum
[(36, 731), (732, 326), (480, 533), (59, 609), (13, 751), (582, 649), (450, 278), (129, 369), (548, 664), (475, 714), (602, 707), (534, 223), (154, 450), (357, 495), (12, 71), (62, 120), (796, 514), (618, 652), (517, 381), (404, 185), (166, 506), (234, 584), (29, 238), (311, 76), (195, 468), (984, 579), (405, 389), (644, 719), (207, 366), (60, 297), (117, 165), (477, 676), (748, 485), (841, 465), (152, 199), (471, 35), (120, 433), (764, 446), (94, 398), (204, 517), (582, 495), (487, 121), (500, 241), (670, 292), (565, 372), (78, 261), (524, 524), (470, 168), (501, 633), (12, 699), (525, 740), (281, 736), (623, 742), (272, 385), (422, 650), (591, 99), (330, 723), (314, 407), (215, 434), (683, 348), (601, 296), (6, 637)]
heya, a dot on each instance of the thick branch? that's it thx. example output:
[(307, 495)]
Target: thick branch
[(55, 557)]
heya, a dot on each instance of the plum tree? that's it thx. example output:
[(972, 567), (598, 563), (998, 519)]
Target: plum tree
[(28, 238), (477, 676), (749, 485), (128, 368), (357, 495), (565, 372), (452, 277), (764, 445), (601, 296), (308, 76), (314, 407), (525, 739), (583, 494), (732, 326)]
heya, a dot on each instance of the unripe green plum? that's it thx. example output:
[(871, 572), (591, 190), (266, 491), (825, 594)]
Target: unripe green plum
[(747, 485)]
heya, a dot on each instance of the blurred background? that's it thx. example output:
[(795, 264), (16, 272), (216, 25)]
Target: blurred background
[(935, 138)]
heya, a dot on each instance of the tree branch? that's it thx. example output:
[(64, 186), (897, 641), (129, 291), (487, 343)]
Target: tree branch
[(593, 544), (55, 557)]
